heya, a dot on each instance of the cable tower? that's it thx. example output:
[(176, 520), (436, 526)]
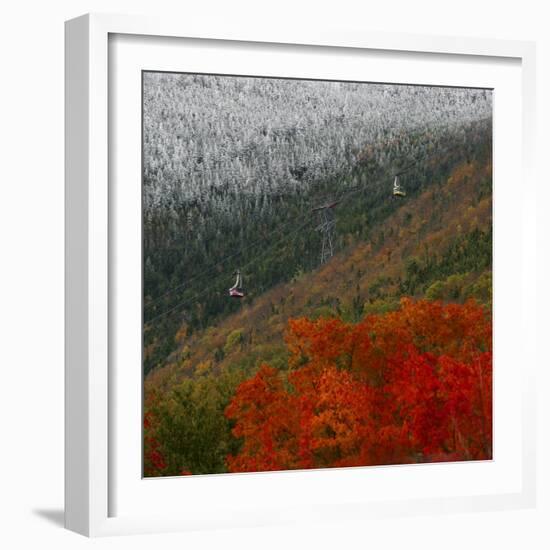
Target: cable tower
[(326, 228)]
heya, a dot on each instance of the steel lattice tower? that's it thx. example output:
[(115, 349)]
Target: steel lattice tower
[(326, 227)]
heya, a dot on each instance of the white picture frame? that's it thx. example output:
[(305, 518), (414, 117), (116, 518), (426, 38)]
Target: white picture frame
[(90, 439)]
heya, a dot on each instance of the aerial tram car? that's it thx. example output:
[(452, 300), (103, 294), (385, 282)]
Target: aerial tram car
[(237, 290), (397, 188)]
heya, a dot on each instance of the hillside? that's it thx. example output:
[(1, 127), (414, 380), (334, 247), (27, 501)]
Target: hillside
[(378, 352), (437, 244), (231, 164)]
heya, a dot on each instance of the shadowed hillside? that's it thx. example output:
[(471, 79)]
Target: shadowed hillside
[(232, 164), (436, 245)]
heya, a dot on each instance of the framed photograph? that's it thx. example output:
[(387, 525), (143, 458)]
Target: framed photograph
[(297, 276)]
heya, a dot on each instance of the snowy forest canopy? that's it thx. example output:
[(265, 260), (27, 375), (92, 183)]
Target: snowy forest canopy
[(260, 136)]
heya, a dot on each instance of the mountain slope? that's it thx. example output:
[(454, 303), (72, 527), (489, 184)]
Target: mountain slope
[(437, 244), (229, 161)]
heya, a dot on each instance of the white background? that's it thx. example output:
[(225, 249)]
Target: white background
[(31, 270)]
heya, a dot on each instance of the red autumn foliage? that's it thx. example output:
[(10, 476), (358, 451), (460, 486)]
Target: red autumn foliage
[(154, 463), (414, 385)]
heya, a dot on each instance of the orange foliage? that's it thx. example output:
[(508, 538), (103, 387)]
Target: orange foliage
[(413, 385), (267, 423)]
